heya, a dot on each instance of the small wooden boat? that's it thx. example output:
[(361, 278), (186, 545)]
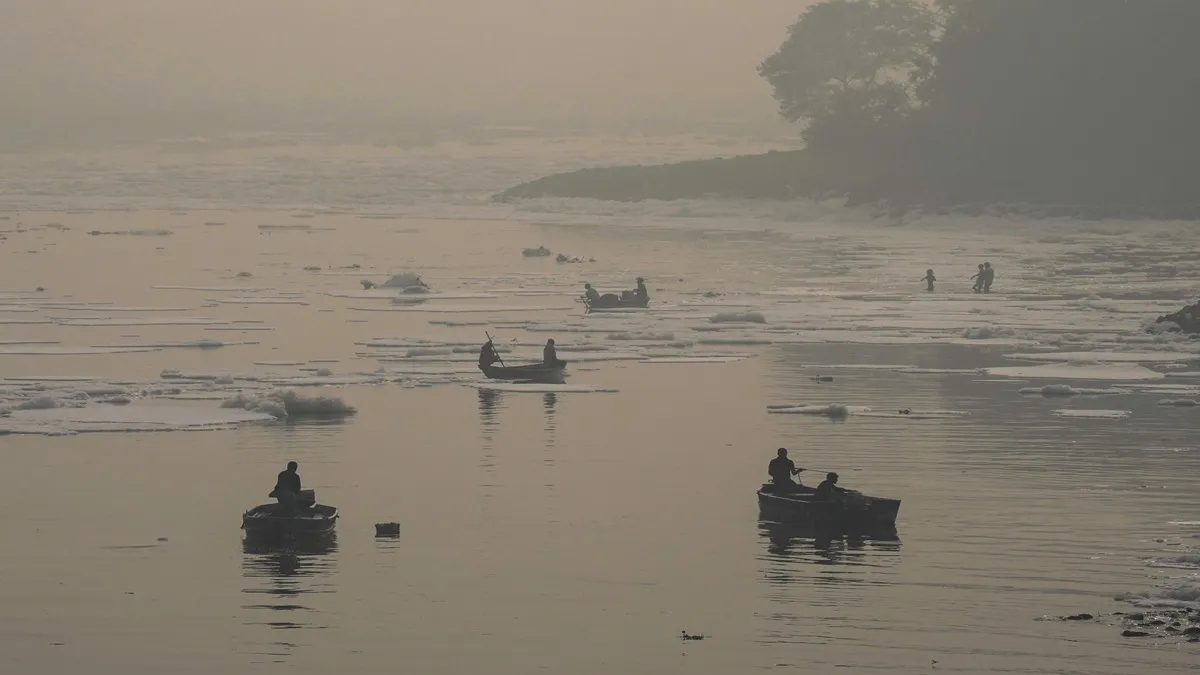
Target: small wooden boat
[(853, 511), (310, 518), (614, 301), (534, 372)]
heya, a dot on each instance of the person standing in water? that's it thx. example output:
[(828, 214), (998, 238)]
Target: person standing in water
[(929, 279), (989, 275), (978, 277)]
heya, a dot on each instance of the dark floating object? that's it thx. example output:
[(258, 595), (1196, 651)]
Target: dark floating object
[(1134, 633), (387, 529), (310, 518), (535, 372), (683, 635), (855, 511), (614, 301), (906, 411), (1079, 617), (824, 378)]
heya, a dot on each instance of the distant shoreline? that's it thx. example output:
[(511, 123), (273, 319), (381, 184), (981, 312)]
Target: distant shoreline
[(792, 175)]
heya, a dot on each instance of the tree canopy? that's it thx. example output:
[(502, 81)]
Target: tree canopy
[(1022, 100)]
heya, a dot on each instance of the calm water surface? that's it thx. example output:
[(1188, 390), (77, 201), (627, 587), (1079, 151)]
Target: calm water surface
[(567, 533)]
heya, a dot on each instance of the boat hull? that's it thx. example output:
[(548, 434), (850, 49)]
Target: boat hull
[(613, 302), (266, 519), (860, 512), (536, 372)]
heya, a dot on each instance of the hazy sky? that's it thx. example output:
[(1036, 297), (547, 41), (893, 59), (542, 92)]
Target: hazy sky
[(507, 58)]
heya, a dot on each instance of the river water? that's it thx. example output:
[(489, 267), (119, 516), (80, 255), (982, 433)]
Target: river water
[(578, 528)]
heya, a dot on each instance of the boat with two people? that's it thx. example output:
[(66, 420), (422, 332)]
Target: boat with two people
[(294, 513), (827, 506), (638, 298), (550, 371)]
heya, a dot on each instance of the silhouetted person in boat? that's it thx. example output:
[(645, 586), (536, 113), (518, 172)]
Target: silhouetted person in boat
[(488, 355), (989, 275), (978, 277), (549, 355), (782, 469), (590, 293), (287, 488), (828, 488), (929, 279), (640, 292)]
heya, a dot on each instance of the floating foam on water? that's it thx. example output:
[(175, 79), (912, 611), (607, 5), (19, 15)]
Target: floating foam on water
[(1105, 357), (543, 388), (52, 350), (647, 336), (908, 414), (738, 317), (94, 307), (830, 410), (1180, 402), (1180, 561), (941, 371), (454, 309), (260, 301), (146, 321), (286, 403), (215, 289), (123, 418), (988, 333), (1068, 390), (1076, 371), (1094, 413), (695, 359), (187, 344), (1182, 594)]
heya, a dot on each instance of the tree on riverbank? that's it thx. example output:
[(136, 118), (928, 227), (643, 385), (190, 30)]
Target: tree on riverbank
[(1085, 101), (948, 102)]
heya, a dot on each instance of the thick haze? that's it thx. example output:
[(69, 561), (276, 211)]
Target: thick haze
[(171, 63)]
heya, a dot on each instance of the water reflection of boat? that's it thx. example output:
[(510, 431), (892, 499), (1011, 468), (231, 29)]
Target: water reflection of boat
[(783, 537), (288, 570)]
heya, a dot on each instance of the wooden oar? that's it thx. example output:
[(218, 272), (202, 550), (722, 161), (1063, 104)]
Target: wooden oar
[(494, 350)]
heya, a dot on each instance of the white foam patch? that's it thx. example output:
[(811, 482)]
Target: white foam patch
[(1072, 371), (53, 350), (187, 344), (1185, 561), (214, 289), (260, 301), (543, 388), (124, 418), (1099, 414), (695, 359), (1068, 390), (454, 309), (907, 414), (392, 294), (288, 404), (147, 321), (117, 308), (834, 410), (738, 317), (1106, 357), (1180, 595), (1180, 402)]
